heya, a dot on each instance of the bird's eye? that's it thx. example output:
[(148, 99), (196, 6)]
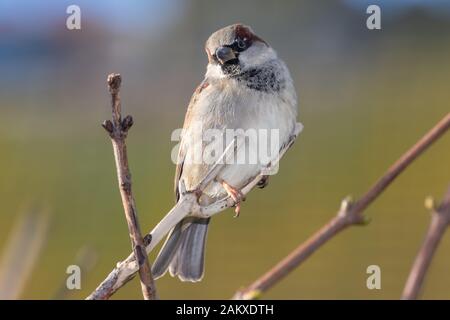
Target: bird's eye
[(241, 43)]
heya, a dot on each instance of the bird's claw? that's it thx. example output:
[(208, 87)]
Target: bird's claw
[(236, 195)]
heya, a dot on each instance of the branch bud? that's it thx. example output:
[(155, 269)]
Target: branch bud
[(127, 123), (114, 80), (108, 126)]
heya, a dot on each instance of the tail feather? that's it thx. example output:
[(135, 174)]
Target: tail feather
[(167, 252), (183, 252)]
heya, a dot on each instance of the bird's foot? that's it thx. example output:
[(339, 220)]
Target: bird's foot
[(236, 195)]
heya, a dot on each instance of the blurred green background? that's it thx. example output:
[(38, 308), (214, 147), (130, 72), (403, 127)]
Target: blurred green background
[(365, 97)]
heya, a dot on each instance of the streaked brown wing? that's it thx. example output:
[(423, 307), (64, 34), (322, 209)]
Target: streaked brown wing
[(182, 151)]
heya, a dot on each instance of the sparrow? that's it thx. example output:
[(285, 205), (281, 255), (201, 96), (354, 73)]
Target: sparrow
[(246, 86)]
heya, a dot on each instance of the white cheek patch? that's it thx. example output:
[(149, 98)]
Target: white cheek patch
[(256, 55), (214, 71)]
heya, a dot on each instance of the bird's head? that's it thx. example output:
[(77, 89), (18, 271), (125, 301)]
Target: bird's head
[(234, 49)]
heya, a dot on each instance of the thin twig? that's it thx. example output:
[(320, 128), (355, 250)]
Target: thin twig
[(118, 130), (351, 213), (125, 270), (440, 219)]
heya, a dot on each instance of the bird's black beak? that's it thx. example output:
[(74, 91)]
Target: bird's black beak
[(225, 54)]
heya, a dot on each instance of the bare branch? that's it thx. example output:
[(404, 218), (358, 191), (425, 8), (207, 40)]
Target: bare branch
[(440, 219), (118, 130), (125, 270), (349, 214)]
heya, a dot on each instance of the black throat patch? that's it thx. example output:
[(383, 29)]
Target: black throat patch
[(267, 78)]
